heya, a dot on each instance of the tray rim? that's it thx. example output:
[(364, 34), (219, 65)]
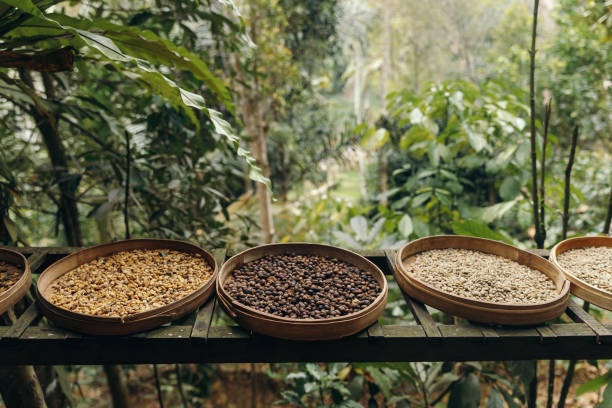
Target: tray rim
[(224, 273), (17, 291), (562, 292), (558, 249), (110, 322)]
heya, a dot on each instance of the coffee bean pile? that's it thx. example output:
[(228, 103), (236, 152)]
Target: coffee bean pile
[(9, 275), (592, 265), (129, 282), (481, 276), (303, 286)]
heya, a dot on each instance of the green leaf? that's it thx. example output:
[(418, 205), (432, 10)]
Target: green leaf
[(434, 154), (418, 200), (375, 230), (476, 139), (382, 380), (103, 44), (477, 229), (495, 400), (421, 229), (147, 45), (346, 239), (495, 211), (296, 376), (416, 117), (595, 383), (359, 224), (465, 393), (375, 140), (315, 371), (606, 401), (405, 226), (11, 228), (500, 162), (509, 188), (26, 6)]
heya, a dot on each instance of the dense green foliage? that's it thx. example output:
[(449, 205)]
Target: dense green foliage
[(197, 92)]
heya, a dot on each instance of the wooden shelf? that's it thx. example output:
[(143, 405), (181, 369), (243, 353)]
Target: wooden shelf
[(197, 339)]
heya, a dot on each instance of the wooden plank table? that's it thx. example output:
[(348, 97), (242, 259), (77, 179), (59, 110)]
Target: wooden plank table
[(205, 336)]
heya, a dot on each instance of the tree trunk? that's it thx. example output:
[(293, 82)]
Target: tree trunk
[(47, 125), (252, 116), (117, 386), (385, 74), (20, 388), (357, 110), (259, 149)]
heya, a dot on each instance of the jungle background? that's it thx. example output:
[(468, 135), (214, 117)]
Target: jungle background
[(363, 124)]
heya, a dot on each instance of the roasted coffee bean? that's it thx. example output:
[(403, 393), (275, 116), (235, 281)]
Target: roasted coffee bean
[(303, 286)]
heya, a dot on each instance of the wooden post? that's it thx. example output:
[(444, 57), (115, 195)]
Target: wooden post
[(117, 386), (20, 388)]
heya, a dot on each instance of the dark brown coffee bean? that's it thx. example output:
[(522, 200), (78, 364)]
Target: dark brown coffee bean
[(303, 286)]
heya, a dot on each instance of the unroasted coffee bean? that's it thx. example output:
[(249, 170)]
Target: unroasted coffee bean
[(481, 276), (9, 275), (303, 286), (592, 265)]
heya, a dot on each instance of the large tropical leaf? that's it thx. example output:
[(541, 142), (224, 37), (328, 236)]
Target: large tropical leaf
[(137, 56)]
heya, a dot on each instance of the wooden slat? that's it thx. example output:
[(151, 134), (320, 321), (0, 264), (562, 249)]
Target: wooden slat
[(227, 332), (547, 335), (518, 332), (403, 331), (579, 315), (419, 311), (43, 333), (23, 322), (489, 332), (572, 330), (375, 332), (203, 320), (462, 331), (169, 332), (205, 313), (422, 316)]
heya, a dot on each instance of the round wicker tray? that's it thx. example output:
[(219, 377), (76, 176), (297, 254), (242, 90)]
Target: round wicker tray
[(133, 323), (15, 293), (301, 329), (481, 311), (579, 287)]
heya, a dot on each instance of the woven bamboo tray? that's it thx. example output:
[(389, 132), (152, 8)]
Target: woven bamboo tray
[(475, 310), (133, 323), (579, 287), (15, 293), (301, 329)]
